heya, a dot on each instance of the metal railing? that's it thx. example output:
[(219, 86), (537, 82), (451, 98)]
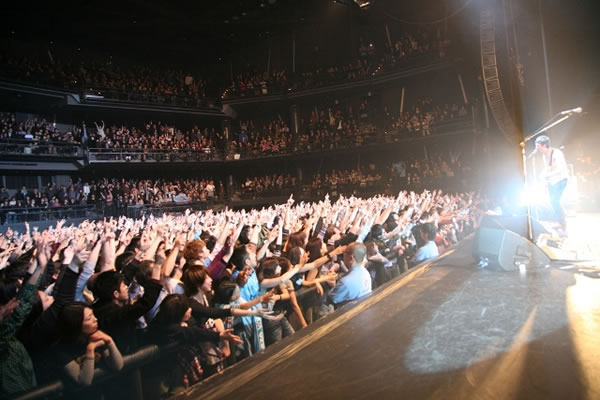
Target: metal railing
[(11, 215), (35, 147), (129, 378), (158, 210), (99, 155), (101, 93), (435, 128)]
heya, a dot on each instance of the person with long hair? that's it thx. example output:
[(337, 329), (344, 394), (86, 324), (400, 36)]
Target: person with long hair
[(269, 271), (313, 303), (198, 284), (16, 368), (174, 323), (82, 345)]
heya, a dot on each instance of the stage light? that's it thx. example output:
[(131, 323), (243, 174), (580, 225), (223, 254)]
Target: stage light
[(533, 195), (362, 4), (94, 96)]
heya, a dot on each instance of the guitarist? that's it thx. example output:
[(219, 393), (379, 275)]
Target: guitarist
[(555, 174)]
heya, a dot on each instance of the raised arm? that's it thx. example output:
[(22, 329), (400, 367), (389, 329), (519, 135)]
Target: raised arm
[(313, 267), (260, 254), (150, 252), (108, 252), (272, 282), (169, 263), (88, 269)]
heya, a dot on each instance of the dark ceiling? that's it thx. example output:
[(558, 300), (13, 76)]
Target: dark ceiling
[(212, 28), (161, 28)]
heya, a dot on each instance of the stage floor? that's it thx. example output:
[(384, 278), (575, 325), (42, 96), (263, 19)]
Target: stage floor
[(445, 330), (582, 242)]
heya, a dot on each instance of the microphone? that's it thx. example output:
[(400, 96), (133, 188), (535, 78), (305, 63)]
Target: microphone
[(577, 110), (533, 153)]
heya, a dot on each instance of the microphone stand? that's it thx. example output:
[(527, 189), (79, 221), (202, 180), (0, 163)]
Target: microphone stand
[(547, 125)]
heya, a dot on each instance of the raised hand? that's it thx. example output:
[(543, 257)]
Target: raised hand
[(265, 298), (273, 234), (269, 315), (82, 256), (7, 309), (68, 254), (337, 251), (227, 334)]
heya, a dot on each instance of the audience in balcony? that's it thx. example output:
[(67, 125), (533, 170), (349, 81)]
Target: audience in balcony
[(421, 118), (134, 82), (371, 62), (255, 83), (260, 139), (438, 167), (35, 136), (320, 128), (155, 136), (270, 185), (119, 79), (111, 197), (354, 179)]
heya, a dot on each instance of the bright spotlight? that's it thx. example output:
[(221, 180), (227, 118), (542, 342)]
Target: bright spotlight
[(533, 195)]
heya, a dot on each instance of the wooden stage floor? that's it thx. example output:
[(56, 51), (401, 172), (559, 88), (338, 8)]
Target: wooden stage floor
[(445, 330)]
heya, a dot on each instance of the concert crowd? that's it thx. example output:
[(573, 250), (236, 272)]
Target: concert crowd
[(222, 285)]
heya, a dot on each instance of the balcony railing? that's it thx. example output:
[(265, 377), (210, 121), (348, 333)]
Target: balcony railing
[(169, 208), (167, 99), (11, 215), (35, 147), (98, 155)]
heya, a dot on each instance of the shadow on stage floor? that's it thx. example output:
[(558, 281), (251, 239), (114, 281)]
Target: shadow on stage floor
[(445, 330)]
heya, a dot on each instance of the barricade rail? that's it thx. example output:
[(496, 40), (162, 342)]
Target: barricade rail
[(129, 378)]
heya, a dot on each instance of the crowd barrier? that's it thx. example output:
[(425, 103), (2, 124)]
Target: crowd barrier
[(130, 379)]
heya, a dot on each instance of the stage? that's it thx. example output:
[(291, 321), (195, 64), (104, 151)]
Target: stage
[(445, 330)]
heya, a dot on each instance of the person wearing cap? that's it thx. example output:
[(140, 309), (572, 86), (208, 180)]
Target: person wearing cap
[(555, 174)]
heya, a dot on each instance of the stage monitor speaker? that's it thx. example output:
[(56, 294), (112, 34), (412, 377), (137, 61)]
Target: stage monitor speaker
[(514, 223), (502, 248)]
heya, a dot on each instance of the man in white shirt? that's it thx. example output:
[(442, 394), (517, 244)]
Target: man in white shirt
[(555, 174)]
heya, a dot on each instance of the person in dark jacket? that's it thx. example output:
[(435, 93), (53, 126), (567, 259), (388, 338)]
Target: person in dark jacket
[(16, 368), (116, 315), (174, 324)]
